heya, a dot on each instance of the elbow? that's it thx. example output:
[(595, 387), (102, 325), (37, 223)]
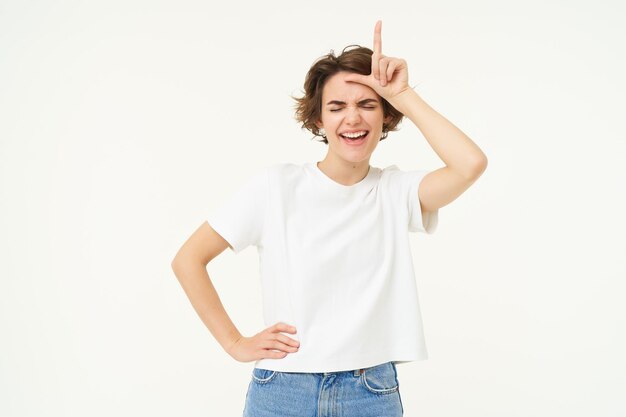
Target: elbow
[(481, 165), (178, 263), (174, 265), (477, 167), (183, 262)]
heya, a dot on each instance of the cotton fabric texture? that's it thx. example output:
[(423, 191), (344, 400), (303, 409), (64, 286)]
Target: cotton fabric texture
[(370, 392), (334, 261)]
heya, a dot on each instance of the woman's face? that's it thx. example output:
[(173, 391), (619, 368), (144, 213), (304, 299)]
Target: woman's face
[(351, 108)]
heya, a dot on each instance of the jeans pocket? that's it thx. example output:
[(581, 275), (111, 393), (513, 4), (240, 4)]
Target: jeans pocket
[(263, 376), (380, 379)]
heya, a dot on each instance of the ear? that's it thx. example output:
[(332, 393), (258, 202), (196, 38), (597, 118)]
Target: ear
[(387, 119), (319, 124)]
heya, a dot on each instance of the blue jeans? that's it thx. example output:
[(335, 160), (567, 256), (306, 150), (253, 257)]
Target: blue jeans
[(368, 392)]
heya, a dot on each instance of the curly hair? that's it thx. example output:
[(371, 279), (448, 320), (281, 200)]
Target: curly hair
[(353, 58)]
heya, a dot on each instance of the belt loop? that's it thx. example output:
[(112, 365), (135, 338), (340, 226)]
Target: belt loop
[(358, 372)]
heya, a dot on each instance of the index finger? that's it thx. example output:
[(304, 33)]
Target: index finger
[(377, 38)]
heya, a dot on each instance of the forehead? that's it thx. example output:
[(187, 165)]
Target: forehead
[(336, 88)]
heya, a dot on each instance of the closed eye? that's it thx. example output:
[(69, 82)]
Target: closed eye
[(365, 107)]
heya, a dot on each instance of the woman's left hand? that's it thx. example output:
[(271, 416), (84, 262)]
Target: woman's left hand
[(389, 76)]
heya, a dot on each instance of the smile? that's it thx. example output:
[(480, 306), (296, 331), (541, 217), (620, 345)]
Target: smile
[(354, 138)]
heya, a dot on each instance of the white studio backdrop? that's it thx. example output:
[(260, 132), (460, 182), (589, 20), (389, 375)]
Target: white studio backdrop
[(124, 123)]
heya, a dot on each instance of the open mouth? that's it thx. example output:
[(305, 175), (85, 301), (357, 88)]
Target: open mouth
[(354, 138)]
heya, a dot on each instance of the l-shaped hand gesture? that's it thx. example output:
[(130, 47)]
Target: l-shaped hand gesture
[(389, 76)]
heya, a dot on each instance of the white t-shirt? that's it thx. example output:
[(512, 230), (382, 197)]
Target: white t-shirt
[(335, 262)]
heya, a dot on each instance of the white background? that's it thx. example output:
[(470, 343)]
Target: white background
[(124, 123)]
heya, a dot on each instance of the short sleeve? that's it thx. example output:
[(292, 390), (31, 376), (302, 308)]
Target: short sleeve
[(418, 223), (240, 219)]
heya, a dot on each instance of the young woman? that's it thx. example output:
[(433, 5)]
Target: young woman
[(332, 236)]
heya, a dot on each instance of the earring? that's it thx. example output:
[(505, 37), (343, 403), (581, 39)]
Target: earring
[(322, 132)]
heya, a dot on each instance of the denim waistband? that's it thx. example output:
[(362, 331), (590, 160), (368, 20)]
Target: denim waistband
[(355, 372)]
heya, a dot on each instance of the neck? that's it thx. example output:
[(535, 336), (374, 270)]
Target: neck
[(344, 172)]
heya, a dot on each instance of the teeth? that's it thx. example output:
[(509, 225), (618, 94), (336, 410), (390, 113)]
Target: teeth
[(354, 135)]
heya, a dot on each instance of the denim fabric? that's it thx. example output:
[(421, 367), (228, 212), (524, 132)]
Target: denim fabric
[(367, 392)]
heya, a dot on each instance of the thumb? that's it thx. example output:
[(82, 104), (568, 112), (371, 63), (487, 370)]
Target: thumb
[(359, 78)]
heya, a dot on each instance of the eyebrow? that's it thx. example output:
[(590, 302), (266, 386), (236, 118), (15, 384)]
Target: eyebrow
[(341, 103)]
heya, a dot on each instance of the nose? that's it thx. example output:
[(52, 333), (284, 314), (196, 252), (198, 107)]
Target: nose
[(353, 115)]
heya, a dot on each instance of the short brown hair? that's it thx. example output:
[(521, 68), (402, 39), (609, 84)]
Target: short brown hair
[(353, 58)]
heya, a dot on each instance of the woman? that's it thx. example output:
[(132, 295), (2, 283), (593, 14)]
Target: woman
[(332, 236)]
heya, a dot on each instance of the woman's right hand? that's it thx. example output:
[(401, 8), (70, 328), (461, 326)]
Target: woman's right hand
[(261, 345)]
